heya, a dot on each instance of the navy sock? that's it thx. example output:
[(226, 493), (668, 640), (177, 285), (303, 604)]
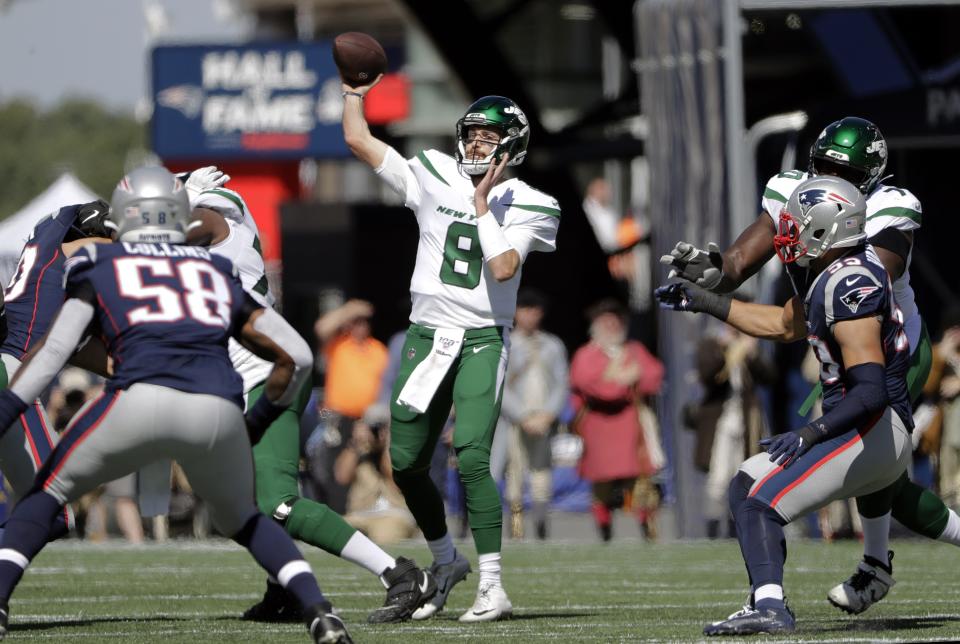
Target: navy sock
[(764, 604), (762, 542), (736, 496), (274, 550), (26, 533)]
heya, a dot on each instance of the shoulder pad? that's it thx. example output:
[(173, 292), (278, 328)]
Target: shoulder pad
[(442, 167), (80, 262), (890, 206), (781, 186), (852, 291), (528, 198), (227, 202)]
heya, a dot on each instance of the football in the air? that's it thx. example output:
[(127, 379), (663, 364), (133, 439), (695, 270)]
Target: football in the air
[(359, 57)]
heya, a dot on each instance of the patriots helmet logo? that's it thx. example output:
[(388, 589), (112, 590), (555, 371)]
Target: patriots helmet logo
[(809, 198), (853, 298)]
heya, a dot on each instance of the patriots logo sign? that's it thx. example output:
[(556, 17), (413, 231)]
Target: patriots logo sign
[(853, 298), (809, 198)]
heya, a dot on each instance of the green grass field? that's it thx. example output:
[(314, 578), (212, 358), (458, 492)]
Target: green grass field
[(623, 592)]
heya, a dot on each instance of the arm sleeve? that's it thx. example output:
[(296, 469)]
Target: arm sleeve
[(272, 325), (397, 173), (893, 240), (58, 345), (865, 399), (854, 292)]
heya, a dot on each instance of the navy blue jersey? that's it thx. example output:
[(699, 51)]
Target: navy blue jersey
[(857, 286), (165, 313), (35, 293)]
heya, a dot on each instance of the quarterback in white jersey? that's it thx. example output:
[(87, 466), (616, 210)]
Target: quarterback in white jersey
[(853, 149), (476, 230), (449, 287)]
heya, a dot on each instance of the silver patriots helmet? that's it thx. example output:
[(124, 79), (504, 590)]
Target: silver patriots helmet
[(823, 213), (150, 205)]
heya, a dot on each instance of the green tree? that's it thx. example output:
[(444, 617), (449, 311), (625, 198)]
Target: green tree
[(78, 135)]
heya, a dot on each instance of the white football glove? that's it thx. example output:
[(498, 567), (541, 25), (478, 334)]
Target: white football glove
[(203, 179), (702, 267)]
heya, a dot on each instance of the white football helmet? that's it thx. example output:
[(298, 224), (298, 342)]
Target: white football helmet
[(823, 213), (150, 205)]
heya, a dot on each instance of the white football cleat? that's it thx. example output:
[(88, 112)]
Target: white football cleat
[(868, 585), (491, 604), (446, 576)]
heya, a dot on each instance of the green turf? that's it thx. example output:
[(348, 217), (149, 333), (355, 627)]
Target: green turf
[(623, 592)]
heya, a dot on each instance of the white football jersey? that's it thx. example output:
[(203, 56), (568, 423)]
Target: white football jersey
[(242, 247), (887, 207), (452, 285)]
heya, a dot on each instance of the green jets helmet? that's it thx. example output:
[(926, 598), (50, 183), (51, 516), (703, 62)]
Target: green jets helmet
[(502, 114), (852, 149)]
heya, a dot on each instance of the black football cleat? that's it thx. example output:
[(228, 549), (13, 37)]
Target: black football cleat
[(325, 627), (408, 588), (870, 583), (751, 621), (277, 605)]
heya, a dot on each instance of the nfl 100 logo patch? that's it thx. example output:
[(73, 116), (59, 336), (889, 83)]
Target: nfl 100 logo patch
[(411, 353)]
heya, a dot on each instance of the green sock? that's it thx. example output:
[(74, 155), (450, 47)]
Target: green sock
[(424, 502), (318, 525), (920, 510)]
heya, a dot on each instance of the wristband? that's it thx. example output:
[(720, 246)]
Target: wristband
[(811, 435), (260, 417), (10, 408), (717, 305), (492, 240), (346, 94)]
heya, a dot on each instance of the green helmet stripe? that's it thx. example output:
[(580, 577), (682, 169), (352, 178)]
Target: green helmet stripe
[(898, 211), (429, 166), (769, 193), (543, 210)]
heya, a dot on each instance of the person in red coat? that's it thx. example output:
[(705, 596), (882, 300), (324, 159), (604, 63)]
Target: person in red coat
[(610, 378)]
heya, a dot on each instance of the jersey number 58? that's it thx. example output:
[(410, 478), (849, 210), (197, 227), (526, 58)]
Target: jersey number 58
[(204, 295)]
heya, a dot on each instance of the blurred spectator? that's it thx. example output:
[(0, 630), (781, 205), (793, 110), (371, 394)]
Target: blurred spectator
[(355, 360), (535, 391), (374, 504), (622, 237), (354, 364), (728, 420), (610, 377), (121, 495), (604, 220), (944, 385)]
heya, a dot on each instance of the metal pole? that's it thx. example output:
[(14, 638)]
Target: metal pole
[(733, 114)]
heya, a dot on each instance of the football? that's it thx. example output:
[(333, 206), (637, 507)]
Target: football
[(359, 57)]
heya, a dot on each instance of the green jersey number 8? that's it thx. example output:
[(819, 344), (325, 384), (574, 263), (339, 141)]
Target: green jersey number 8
[(462, 258)]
